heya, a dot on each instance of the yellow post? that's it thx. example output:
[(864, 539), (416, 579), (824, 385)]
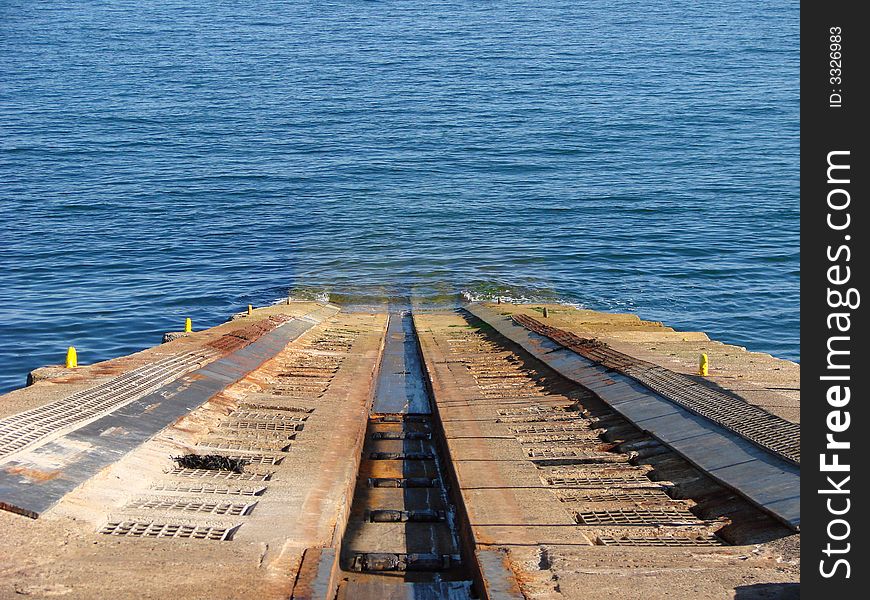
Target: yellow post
[(188, 326), (703, 365), (72, 360), (250, 310)]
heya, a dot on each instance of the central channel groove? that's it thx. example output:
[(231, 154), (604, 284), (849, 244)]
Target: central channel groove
[(401, 539)]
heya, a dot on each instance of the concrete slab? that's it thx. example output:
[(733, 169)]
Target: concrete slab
[(35, 480), (767, 481)]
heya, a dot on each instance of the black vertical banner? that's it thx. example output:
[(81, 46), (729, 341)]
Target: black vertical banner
[(835, 421)]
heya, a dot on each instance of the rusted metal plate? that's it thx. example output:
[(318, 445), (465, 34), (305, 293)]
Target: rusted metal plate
[(762, 477), (36, 479)]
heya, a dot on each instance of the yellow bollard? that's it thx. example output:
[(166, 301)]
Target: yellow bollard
[(703, 365), (72, 360), (250, 310), (188, 326)]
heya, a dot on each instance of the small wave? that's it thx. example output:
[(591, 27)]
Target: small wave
[(376, 297)]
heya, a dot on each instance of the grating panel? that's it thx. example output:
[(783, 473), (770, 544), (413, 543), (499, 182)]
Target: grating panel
[(253, 435), (168, 530), (751, 422), (247, 415), (246, 446), (235, 509), (208, 489), (652, 516), (256, 459), (616, 495), (182, 472), (599, 481), (264, 406), (543, 418), (664, 541), (573, 452), (580, 425), (525, 411), (589, 437), (263, 425)]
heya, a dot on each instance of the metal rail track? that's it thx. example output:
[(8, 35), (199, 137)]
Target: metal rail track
[(402, 532)]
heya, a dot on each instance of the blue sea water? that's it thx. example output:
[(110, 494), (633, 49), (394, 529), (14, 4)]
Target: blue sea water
[(162, 159)]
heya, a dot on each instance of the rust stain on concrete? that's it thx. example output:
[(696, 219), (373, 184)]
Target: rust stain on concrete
[(34, 475)]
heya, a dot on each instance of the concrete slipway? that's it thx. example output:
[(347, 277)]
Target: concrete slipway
[(494, 451)]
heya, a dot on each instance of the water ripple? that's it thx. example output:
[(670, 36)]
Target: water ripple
[(164, 159)]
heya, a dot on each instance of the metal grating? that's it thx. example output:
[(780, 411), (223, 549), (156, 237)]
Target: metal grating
[(264, 406), (239, 338), (513, 393), (652, 516), (664, 541), (25, 429), (231, 475), (545, 429), (235, 509), (525, 411), (246, 446), (263, 425), (573, 452), (256, 459), (588, 437), (219, 490), (543, 418), (751, 422), (599, 481), (168, 530), (247, 415), (617, 495), (253, 435)]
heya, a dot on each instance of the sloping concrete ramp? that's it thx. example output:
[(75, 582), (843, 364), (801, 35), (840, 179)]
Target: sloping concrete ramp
[(766, 480), (33, 480)]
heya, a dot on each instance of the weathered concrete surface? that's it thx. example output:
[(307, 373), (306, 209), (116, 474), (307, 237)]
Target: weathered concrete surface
[(302, 505), (85, 376), (761, 379), (763, 478), (33, 479), (485, 397), (520, 450)]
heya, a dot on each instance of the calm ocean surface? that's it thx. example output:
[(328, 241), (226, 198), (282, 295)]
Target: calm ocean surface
[(165, 159)]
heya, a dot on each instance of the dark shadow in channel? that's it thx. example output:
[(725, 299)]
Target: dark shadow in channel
[(768, 591)]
